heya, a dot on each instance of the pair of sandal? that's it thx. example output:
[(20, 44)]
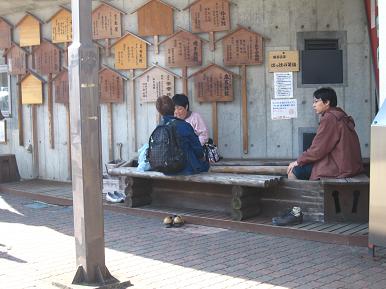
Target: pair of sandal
[(173, 221)]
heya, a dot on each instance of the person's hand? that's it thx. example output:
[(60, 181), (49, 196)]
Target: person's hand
[(291, 166)]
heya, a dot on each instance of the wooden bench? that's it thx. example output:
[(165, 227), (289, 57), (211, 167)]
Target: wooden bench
[(234, 194)]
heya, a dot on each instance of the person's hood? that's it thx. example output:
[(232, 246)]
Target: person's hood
[(342, 116)]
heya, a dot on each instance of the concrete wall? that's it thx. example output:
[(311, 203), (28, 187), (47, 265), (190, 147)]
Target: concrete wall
[(278, 20)]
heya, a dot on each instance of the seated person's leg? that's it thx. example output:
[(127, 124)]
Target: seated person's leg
[(301, 172)]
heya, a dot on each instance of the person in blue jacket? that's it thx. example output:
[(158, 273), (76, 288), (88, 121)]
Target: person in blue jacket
[(196, 162)]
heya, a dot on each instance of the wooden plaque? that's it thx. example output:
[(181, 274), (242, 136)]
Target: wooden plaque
[(29, 31), (243, 47), (47, 58), (31, 90), (154, 83), (210, 16), (213, 84), (106, 22), (184, 49), (155, 18), (17, 60), (5, 34), (130, 52), (61, 28), (110, 86), (61, 87), (283, 61)]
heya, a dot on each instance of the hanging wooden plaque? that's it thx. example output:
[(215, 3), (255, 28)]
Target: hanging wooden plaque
[(17, 60), (106, 22), (130, 52), (5, 34), (213, 83), (156, 82), (243, 47), (209, 15), (155, 18), (61, 87), (111, 85), (47, 58), (183, 49), (61, 27), (283, 61), (29, 31), (31, 90)]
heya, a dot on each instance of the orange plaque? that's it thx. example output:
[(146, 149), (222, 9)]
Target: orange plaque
[(5, 34), (47, 58), (243, 47), (61, 27), (32, 89), (17, 60), (106, 22), (213, 83), (183, 49), (111, 85), (61, 87), (29, 30), (209, 15)]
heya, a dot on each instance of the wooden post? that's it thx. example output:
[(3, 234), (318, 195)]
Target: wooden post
[(185, 80), (244, 101), (35, 142), (131, 101), (68, 141), (65, 54), (107, 49), (50, 112), (211, 41), (156, 44), (83, 67), (20, 112), (111, 132), (214, 122)]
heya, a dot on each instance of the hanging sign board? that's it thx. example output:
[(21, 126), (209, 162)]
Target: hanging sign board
[(213, 83), (183, 49), (5, 34), (284, 109), (47, 58), (243, 47), (110, 86), (31, 90), (17, 60), (61, 87), (106, 22), (29, 31), (283, 84), (61, 27), (209, 15), (155, 82), (130, 52), (283, 61), (155, 18)]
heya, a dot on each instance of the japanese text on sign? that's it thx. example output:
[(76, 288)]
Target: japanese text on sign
[(282, 61), (210, 15), (284, 109)]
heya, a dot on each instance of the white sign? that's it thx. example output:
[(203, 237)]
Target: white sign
[(283, 84), (284, 109)]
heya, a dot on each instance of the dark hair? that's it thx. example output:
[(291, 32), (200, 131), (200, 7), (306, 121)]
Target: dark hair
[(165, 105), (326, 93), (181, 100)]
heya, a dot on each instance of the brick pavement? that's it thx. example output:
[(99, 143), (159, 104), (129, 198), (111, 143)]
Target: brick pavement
[(37, 247)]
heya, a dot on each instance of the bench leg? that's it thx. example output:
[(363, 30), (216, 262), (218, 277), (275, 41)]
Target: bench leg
[(138, 192), (245, 203)]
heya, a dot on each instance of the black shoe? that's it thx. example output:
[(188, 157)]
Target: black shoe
[(291, 217)]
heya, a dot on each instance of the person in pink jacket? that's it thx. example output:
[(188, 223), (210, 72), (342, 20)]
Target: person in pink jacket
[(335, 151), (181, 110)]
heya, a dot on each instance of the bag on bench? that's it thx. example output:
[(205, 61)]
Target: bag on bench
[(165, 153)]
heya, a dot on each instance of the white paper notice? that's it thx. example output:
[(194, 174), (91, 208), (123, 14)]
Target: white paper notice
[(284, 109), (283, 84)]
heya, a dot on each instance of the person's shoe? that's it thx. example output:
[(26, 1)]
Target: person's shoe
[(178, 221), (293, 216), (168, 221), (119, 195), (112, 198)]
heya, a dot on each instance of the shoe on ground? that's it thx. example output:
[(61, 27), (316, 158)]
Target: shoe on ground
[(120, 195), (293, 216), (178, 221), (168, 221), (112, 198)]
